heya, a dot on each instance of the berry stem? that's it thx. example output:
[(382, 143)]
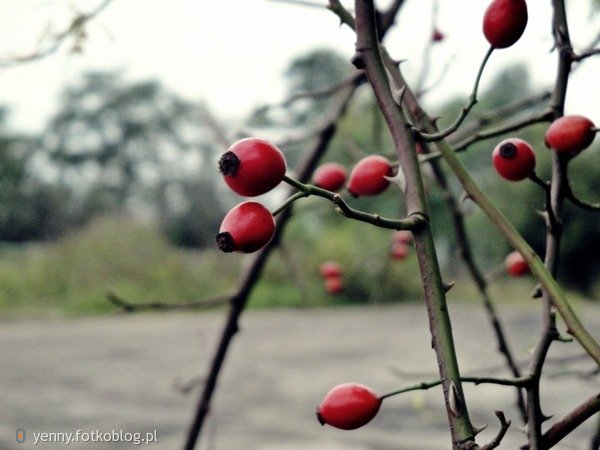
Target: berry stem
[(518, 382), (414, 221), (464, 112)]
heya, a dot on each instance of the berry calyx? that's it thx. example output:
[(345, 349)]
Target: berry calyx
[(252, 166), (334, 285), (437, 36), (348, 406), (513, 159), (515, 264), (504, 22), (368, 176), (330, 269), (246, 228), (571, 133), (330, 176)]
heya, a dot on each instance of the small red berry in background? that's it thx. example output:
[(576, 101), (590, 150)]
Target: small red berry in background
[(504, 22), (437, 36), (403, 236), (252, 166), (348, 406), (513, 159), (334, 285), (246, 228), (570, 134), (330, 176), (399, 251), (330, 269), (515, 264), (367, 177)]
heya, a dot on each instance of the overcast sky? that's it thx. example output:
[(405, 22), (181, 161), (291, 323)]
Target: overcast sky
[(232, 53)]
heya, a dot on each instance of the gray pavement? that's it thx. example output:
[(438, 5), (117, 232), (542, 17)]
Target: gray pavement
[(126, 374)]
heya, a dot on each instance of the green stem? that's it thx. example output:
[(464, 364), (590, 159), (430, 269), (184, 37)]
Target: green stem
[(423, 386), (414, 222), (557, 296)]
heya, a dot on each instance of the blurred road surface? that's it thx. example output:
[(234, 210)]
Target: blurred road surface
[(127, 373)]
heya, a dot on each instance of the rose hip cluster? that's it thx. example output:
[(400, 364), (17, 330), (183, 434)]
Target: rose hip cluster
[(514, 158), (332, 277), (254, 166), (250, 167)]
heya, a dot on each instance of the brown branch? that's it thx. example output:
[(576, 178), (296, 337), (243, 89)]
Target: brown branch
[(569, 422), (206, 303), (252, 275), (466, 254), (504, 424), (75, 30), (325, 92)]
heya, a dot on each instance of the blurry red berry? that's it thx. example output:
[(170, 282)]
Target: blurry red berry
[(403, 236), (334, 285), (368, 176), (330, 269), (252, 166), (516, 265), (513, 159), (399, 251), (504, 22), (348, 406), (570, 134), (246, 228), (330, 176)]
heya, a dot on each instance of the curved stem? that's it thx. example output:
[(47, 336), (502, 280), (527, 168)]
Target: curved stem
[(414, 222), (464, 112)]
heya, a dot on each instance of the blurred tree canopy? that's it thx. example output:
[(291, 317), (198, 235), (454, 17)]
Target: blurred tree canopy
[(113, 146)]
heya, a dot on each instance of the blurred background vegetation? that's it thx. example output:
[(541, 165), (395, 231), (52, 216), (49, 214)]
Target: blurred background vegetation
[(120, 193)]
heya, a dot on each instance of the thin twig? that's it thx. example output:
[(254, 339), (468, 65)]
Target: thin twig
[(74, 30), (431, 137), (206, 303)]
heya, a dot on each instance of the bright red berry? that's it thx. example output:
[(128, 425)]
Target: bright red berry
[(570, 134), (330, 269), (504, 22), (399, 251), (246, 228), (368, 176), (334, 285), (515, 264), (403, 236), (348, 406), (252, 166), (330, 176), (513, 159)]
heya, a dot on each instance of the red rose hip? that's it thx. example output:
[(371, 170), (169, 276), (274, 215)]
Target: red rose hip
[(570, 134), (246, 228), (368, 176), (330, 269), (334, 285), (330, 176), (348, 406), (513, 159), (516, 265), (252, 166), (504, 22)]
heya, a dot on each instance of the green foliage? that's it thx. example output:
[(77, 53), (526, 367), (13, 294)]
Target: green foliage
[(116, 254)]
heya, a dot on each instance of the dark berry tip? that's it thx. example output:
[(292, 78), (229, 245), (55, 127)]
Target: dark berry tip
[(225, 242), (229, 163), (320, 418), (508, 150)]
